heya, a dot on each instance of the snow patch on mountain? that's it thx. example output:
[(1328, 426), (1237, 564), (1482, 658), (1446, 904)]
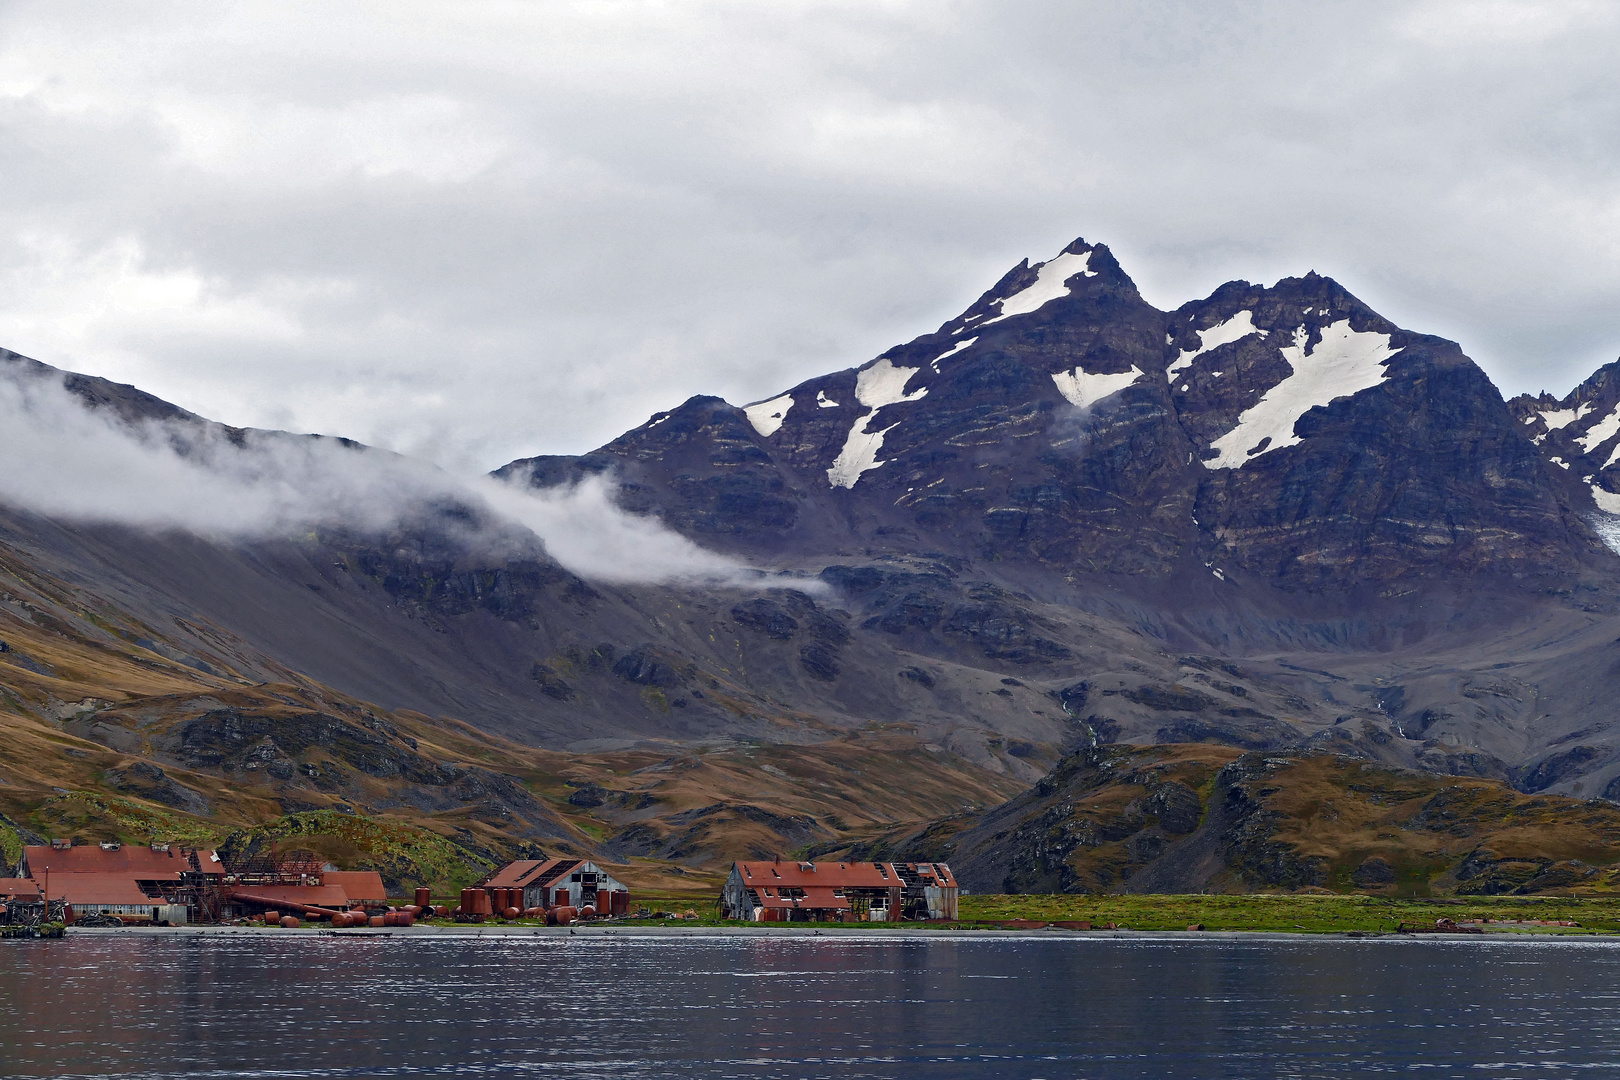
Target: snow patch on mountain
[(1607, 501), (1559, 418), (1344, 362), (1084, 390), (767, 416), (876, 386), (1049, 285), (952, 351), (859, 454), (825, 402), (884, 384), (1600, 432), (1236, 328)]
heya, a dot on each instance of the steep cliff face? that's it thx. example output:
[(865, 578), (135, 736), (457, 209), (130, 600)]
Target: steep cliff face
[(1341, 450), (1579, 436)]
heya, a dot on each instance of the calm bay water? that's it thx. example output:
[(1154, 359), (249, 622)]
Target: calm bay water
[(727, 1007)]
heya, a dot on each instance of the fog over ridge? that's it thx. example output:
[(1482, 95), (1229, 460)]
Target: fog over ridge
[(66, 460)]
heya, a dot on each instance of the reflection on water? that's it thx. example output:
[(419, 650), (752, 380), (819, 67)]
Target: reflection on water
[(727, 1007)]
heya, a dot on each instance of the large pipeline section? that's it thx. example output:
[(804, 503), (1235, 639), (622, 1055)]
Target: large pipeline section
[(309, 910)]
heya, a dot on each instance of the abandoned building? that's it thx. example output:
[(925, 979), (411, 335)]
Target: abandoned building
[(168, 883), (779, 891), (138, 881), (546, 883)]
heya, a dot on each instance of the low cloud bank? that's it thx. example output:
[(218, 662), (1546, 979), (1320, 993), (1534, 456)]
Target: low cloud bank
[(62, 459)]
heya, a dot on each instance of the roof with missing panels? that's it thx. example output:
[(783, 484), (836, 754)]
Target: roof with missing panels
[(815, 898), (528, 872), (858, 875)]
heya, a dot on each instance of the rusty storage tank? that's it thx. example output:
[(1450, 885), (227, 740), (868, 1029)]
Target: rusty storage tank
[(424, 898), (587, 912), (340, 921), (565, 914), (559, 898), (289, 922), (377, 920), (511, 913)]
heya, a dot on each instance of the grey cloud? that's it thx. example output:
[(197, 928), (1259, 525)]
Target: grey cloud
[(481, 232), (65, 461)]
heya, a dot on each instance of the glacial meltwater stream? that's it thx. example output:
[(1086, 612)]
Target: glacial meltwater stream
[(1025, 1007)]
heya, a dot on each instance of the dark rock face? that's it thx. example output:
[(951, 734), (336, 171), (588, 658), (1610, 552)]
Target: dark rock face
[(1579, 436), (1419, 470), (1372, 873), (148, 781), (1289, 432), (320, 752)]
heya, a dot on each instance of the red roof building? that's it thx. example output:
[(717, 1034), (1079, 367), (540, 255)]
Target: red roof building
[(786, 891), (116, 879)]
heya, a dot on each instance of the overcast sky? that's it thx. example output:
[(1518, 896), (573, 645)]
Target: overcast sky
[(483, 230)]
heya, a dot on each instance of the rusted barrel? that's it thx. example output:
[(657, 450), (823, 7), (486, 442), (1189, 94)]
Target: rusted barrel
[(424, 898), (377, 920), (290, 923), (441, 910), (564, 914), (272, 918), (511, 913), (587, 912), (340, 921), (534, 913)]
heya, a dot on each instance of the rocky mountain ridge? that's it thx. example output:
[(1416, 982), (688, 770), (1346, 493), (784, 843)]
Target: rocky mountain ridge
[(1269, 520)]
